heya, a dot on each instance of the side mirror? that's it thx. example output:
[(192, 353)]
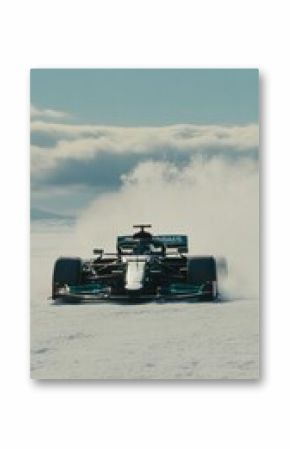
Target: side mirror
[(98, 252), (182, 249)]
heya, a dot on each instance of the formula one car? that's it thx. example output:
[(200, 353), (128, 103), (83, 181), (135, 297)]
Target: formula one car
[(144, 267)]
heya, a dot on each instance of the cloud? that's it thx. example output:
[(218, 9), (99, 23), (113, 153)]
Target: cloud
[(136, 139), (47, 113), (104, 171), (69, 148)]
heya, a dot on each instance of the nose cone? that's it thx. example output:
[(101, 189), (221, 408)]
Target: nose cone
[(135, 274), (134, 286)]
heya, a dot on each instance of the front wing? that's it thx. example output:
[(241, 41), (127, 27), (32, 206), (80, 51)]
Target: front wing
[(99, 292)]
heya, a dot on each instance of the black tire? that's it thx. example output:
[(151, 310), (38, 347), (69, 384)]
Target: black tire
[(67, 271), (201, 270)]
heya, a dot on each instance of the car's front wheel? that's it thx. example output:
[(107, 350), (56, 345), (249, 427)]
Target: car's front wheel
[(67, 271), (202, 270)]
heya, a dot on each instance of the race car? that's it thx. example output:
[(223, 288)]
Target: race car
[(143, 268)]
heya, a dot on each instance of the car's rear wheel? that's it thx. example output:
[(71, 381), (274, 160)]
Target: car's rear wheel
[(67, 271), (202, 271)]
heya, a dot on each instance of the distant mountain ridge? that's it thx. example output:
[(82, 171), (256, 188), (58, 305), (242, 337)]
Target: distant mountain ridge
[(39, 214)]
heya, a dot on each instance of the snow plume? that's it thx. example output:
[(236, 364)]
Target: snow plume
[(214, 201)]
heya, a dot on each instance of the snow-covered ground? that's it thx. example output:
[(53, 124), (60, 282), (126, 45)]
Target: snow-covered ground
[(148, 341)]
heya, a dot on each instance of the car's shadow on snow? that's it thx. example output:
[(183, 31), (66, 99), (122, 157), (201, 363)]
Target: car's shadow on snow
[(132, 302)]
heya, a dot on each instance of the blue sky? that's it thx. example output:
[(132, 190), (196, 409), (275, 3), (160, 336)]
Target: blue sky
[(149, 97), (92, 127)]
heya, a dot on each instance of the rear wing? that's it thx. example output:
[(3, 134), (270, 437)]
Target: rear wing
[(172, 241)]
